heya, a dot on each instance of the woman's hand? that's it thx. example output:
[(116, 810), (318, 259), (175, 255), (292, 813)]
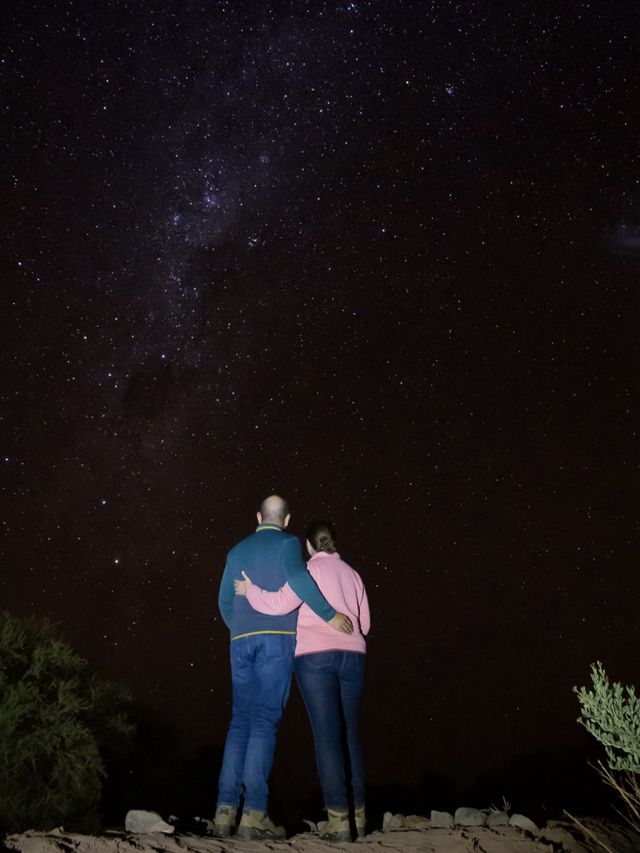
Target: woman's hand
[(241, 587)]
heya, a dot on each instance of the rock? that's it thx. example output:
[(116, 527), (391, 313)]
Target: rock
[(523, 822), (441, 819), (497, 819), (310, 824), (391, 821), (469, 817), (416, 821), (139, 821)]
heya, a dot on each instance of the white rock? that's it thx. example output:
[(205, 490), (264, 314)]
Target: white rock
[(523, 822), (391, 821), (139, 821), (469, 817), (497, 819), (441, 819)]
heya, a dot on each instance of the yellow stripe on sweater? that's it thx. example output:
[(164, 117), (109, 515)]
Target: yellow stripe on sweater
[(255, 633)]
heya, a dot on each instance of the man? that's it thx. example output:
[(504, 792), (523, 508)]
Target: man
[(261, 665)]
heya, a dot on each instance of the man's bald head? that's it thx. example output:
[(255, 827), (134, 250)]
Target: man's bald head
[(274, 510)]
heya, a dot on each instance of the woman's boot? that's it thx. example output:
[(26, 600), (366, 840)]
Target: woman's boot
[(337, 827)]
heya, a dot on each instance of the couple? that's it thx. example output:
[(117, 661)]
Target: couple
[(277, 610)]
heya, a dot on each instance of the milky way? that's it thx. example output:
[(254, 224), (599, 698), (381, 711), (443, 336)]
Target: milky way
[(380, 257)]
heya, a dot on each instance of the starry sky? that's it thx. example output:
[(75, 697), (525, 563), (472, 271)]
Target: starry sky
[(381, 258)]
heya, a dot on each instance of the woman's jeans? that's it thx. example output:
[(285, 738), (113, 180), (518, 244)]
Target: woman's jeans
[(261, 668), (331, 685)]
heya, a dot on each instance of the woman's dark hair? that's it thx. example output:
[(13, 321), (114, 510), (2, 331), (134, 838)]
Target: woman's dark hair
[(322, 536)]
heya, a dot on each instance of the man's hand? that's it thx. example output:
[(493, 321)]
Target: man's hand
[(340, 622), (241, 588)]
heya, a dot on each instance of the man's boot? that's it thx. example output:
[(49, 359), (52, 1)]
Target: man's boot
[(337, 827), (255, 825), (360, 821), (224, 822)]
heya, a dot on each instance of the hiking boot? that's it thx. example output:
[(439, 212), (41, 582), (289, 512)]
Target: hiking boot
[(255, 825), (360, 821), (337, 827), (224, 822)]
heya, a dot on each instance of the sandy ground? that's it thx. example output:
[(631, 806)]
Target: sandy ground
[(556, 837)]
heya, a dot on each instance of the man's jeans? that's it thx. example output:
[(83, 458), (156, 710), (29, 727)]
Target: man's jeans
[(261, 667), (331, 684)]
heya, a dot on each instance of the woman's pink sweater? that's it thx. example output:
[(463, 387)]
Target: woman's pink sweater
[(342, 587)]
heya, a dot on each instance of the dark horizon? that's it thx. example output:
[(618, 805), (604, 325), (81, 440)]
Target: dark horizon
[(380, 259)]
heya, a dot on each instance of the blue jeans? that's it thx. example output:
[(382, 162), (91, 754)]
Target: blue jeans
[(331, 684), (261, 668)]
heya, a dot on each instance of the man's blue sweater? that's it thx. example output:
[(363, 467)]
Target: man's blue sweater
[(270, 557)]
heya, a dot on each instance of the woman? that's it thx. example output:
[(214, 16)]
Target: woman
[(329, 668)]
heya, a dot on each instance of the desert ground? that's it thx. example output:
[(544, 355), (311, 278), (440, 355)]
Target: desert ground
[(418, 834)]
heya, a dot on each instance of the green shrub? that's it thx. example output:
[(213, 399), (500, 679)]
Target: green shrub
[(611, 713), (55, 719)]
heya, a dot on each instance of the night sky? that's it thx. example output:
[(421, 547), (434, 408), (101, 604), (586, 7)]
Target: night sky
[(381, 258)]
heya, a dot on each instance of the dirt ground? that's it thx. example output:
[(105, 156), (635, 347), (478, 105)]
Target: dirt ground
[(556, 837)]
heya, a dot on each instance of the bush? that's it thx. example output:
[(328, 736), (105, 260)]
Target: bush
[(55, 720), (611, 713)]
